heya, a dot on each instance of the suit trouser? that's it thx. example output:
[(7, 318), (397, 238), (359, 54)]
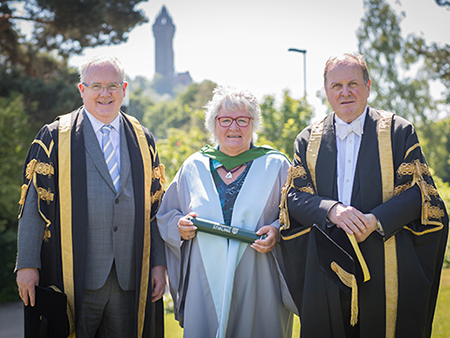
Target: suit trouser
[(107, 312)]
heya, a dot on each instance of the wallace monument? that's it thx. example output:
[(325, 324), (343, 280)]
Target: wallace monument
[(166, 79)]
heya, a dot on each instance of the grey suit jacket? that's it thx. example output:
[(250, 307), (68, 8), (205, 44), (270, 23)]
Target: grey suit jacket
[(110, 227)]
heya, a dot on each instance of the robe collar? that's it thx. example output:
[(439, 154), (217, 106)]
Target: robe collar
[(230, 162)]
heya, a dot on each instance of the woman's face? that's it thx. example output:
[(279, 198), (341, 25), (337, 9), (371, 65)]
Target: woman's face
[(234, 139)]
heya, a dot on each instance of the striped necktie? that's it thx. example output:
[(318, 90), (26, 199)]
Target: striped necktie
[(110, 155)]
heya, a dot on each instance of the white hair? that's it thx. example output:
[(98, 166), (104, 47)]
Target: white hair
[(101, 60), (231, 99)]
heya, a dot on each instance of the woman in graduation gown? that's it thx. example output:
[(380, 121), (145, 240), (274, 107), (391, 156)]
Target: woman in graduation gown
[(223, 287)]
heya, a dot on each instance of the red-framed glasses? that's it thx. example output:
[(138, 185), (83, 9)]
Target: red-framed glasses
[(241, 121)]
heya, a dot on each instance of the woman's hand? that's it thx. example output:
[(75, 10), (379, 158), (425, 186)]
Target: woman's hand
[(267, 244), (186, 228)]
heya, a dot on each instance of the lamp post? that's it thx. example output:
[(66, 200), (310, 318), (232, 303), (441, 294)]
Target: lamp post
[(303, 51)]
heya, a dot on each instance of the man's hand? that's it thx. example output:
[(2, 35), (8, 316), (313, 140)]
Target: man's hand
[(353, 221), (349, 219), (372, 226), (158, 282), (26, 280), (267, 244)]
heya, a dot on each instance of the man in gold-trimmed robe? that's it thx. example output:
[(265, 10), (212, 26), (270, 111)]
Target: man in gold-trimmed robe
[(360, 176), (86, 220)]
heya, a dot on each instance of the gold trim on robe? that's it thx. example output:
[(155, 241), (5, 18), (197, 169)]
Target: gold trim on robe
[(390, 246), (145, 274), (65, 202)]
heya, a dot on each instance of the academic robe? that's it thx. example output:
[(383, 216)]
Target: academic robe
[(392, 181), (221, 287), (56, 166)]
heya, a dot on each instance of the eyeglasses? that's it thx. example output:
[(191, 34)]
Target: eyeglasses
[(110, 87), (241, 121)]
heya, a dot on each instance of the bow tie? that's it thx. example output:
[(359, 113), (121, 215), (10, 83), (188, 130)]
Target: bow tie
[(342, 130)]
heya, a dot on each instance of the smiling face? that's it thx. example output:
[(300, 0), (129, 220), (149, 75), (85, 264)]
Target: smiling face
[(346, 90), (103, 105), (234, 140)]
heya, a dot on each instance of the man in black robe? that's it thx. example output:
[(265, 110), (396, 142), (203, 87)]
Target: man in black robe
[(370, 266), (92, 186)]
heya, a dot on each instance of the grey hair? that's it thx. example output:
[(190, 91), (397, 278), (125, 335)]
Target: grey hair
[(101, 60), (345, 60), (231, 99)]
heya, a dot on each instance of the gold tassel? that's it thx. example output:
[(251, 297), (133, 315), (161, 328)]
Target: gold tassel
[(284, 215), (23, 194), (348, 280), (30, 169), (163, 174), (47, 234), (45, 195), (156, 197), (159, 173), (354, 311), (284, 219)]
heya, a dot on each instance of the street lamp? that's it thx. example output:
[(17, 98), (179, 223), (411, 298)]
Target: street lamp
[(303, 51)]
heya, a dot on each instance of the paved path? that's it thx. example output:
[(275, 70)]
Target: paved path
[(11, 320)]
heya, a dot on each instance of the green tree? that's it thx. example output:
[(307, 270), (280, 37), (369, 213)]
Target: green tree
[(139, 103), (436, 62), (184, 112), (15, 137), (35, 65), (436, 146), (399, 82), (49, 91), (178, 146), (197, 94), (444, 192), (401, 71), (164, 115), (281, 125), (66, 27)]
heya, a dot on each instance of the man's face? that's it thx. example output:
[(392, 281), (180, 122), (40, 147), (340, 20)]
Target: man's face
[(346, 91), (105, 104)]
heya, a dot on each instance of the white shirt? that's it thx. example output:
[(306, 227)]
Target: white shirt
[(347, 156), (114, 136)]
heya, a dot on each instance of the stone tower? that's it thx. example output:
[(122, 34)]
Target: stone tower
[(164, 30)]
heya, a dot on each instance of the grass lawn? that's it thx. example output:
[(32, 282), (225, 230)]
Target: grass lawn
[(441, 325)]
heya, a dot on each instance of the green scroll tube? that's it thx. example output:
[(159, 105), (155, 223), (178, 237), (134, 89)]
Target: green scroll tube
[(223, 230)]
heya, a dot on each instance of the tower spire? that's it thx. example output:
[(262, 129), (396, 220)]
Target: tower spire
[(164, 31)]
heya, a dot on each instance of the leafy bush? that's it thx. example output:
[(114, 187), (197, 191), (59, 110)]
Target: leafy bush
[(15, 137)]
